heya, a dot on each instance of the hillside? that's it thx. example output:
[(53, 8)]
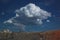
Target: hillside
[(51, 35)]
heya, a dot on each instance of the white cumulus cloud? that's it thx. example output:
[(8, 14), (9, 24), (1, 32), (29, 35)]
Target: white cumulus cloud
[(33, 11), (29, 14)]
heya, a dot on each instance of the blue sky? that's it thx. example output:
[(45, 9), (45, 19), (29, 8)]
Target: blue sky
[(7, 8)]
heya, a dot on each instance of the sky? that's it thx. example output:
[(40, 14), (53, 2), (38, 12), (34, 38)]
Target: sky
[(8, 8)]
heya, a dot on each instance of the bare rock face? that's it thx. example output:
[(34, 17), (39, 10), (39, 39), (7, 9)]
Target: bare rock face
[(51, 35)]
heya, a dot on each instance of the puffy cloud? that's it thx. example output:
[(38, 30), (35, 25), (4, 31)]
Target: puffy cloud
[(48, 20), (34, 12), (29, 14)]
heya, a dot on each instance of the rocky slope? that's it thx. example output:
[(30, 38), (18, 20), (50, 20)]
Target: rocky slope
[(51, 35)]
